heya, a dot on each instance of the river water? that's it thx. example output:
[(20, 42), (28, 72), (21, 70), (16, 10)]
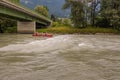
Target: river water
[(62, 57)]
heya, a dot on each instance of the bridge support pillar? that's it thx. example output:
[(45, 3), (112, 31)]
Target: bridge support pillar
[(26, 27)]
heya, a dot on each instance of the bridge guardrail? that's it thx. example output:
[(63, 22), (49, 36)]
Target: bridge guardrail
[(25, 10)]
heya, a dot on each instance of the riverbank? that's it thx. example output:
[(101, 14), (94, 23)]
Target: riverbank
[(70, 30)]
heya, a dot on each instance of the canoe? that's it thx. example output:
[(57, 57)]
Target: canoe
[(42, 34)]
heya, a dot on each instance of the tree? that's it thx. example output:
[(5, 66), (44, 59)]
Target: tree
[(110, 11), (53, 17), (105, 13), (42, 10), (6, 23), (93, 11), (77, 12)]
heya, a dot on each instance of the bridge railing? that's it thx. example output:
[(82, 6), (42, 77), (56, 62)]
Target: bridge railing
[(34, 12), (28, 10)]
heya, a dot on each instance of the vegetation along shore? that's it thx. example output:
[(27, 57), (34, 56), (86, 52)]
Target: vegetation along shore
[(90, 17)]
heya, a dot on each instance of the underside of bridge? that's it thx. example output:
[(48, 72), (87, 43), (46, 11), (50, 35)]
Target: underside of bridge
[(28, 26), (25, 26), (27, 20)]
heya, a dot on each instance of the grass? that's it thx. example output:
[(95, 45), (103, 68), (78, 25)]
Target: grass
[(71, 30)]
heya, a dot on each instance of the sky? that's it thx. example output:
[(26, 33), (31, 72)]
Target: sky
[(54, 6)]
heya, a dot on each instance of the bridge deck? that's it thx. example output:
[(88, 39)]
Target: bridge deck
[(34, 15)]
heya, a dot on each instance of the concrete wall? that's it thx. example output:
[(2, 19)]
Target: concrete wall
[(26, 27)]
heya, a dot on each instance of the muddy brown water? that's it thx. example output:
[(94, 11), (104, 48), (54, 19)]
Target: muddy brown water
[(62, 57)]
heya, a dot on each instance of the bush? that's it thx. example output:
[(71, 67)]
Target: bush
[(11, 30), (55, 24), (70, 30)]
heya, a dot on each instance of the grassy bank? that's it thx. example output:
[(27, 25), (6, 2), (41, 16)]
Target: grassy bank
[(70, 30)]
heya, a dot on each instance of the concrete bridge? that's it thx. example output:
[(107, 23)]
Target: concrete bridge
[(27, 19)]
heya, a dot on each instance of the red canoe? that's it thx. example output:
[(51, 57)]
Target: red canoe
[(42, 34)]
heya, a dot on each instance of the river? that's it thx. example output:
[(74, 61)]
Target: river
[(62, 57)]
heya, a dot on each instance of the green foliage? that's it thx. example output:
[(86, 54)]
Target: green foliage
[(102, 22), (66, 22), (59, 28), (70, 30), (42, 10), (82, 14), (55, 24), (93, 13), (77, 12), (62, 22), (5, 23), (110, 13), (11, 29), (53, 18)]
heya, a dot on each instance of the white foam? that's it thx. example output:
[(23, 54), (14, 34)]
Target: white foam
[(81, 44), (54, 43)]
